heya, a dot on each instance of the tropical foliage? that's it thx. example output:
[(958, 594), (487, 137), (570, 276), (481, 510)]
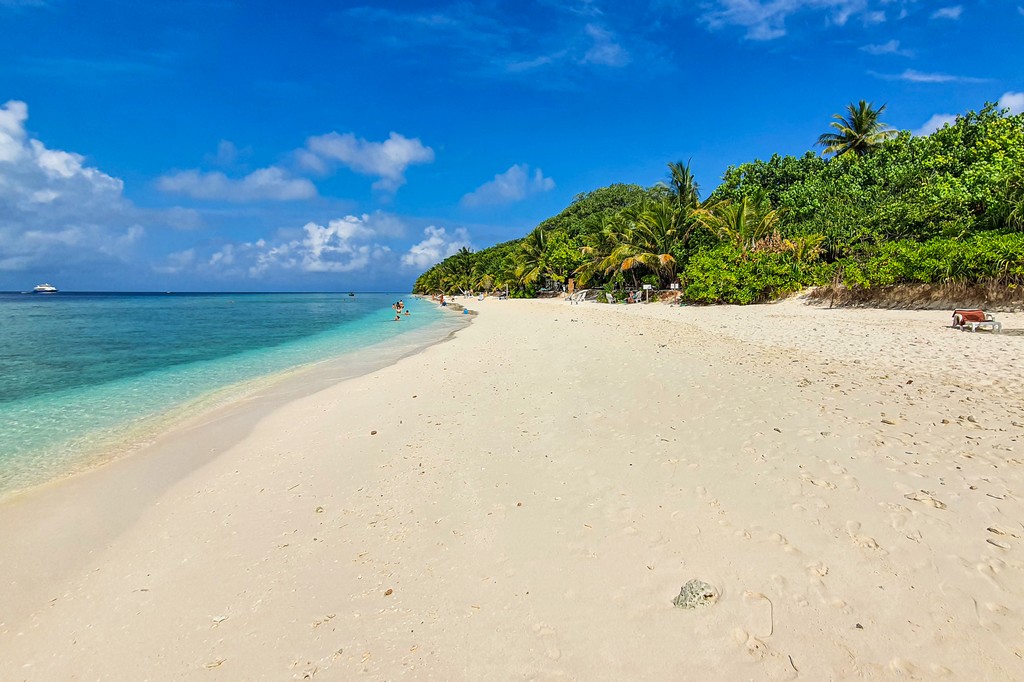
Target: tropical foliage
[(946, 207)]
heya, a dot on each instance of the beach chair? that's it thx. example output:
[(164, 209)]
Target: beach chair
[(611, 299), (973, 319)]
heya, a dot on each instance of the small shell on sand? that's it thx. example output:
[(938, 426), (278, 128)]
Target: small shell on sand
[(695, 593)]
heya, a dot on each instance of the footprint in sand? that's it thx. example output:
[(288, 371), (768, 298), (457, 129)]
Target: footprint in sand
[(903, 667), (549, 638), (819, 482), (925, 497), (754, 646), (836, 468), (779, 667), (817, 569), (783, 542), (995, 571), (859, 539), (988, 618)]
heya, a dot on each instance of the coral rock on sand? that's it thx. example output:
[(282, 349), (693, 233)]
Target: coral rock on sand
[(695, 593)]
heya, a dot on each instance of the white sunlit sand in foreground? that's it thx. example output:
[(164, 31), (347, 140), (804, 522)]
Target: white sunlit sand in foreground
[(526, 501)]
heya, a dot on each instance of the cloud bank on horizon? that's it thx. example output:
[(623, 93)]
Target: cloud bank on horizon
[(176, 175)]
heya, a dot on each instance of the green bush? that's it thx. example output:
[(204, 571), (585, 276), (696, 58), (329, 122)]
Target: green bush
[(725, 275), (987, 256)]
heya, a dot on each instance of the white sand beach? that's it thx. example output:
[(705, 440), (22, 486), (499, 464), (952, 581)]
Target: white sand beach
[(526, 500)]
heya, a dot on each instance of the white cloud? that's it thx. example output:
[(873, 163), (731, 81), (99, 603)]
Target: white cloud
[(386, 160), (435, 247), (766, 19), (1014, 101), (537, 62), (176, 262), (595, 46), (335, 247), (914, 76), (514, 184), (934, 123), (265, 184), (953, 12), (348, 244), (891, 47), (54, 209), (605, 50), (180, 218)]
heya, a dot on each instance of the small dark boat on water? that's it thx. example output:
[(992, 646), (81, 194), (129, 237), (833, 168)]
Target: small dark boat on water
[(351, 294)]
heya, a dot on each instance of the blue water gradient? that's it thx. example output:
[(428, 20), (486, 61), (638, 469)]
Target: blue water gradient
[(81, 374)]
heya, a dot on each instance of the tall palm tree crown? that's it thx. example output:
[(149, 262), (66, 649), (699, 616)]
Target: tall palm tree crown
[(684, 186), (859, 131)]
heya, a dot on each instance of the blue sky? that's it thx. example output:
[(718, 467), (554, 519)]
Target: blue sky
[(255, 145)]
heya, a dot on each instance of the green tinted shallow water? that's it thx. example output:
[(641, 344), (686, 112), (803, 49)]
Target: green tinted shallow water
[(84, 373)]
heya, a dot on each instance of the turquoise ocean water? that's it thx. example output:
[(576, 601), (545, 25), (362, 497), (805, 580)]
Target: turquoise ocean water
[(85, 375)]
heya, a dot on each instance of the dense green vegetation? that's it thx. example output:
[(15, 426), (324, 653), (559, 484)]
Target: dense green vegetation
[(942, 208)]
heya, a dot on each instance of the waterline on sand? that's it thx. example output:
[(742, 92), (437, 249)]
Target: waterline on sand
[(58, 433)]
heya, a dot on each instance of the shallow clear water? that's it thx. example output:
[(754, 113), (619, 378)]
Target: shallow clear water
[(80, 373)]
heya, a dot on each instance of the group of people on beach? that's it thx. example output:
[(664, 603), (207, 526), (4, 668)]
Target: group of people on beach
[(399, 308)]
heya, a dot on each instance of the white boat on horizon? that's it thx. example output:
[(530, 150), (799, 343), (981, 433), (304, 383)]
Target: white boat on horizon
[(44, 289)]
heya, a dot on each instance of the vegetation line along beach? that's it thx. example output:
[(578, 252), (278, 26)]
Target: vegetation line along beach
[(886, 209)]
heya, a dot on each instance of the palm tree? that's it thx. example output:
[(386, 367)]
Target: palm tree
[(859, 131), (648, 242), (484, 281), (599, 245), (507, 277), (685, 189), (533, 259), (743, 224)]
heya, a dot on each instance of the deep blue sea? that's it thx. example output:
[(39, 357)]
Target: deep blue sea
[(83, 374)]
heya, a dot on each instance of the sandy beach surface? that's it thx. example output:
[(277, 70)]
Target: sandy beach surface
[(525, 501)]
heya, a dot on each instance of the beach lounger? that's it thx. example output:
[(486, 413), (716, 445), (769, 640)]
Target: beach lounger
[(962, 319)]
